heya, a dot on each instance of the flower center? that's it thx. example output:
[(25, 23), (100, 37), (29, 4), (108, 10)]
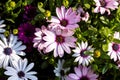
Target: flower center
[(84, 78), (82, 14), (7, 51), (103, 3), (59, 39), (83, 54), (64, 22), (115, 47), (62, 72), (21, 74)]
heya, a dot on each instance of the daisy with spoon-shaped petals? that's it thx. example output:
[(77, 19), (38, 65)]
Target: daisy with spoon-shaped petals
[(79, 53), (59, 40), (10, 49), (67, 18), (82, 73), (21, 71), (114, 48)]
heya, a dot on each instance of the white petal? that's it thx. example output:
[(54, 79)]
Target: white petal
[(60, 51), (13, 78), (32, 77), (31, 73), (25, 64), (66, 48), (6, 62), (29, 67), (51, 47), (23, 47), (17, 45), (2, 30)]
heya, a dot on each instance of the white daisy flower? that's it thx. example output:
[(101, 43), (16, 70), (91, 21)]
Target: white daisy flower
[(1, 26), (80, 55), (20, 71), (60, 71), (10, 49)]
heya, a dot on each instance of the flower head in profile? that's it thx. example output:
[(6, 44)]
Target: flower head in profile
[(82, 73), (66, 18), (2, 26), (30, 12), (59, 41), (114, 48), (26, 32), (38, 40), (21, 71), (103, 6), (10, 49), (84, 15), (60, 71), (79, 53)]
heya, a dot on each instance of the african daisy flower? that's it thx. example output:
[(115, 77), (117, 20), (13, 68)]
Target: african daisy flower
[(38, 40), (30, 12), (67, 18), (114, 48), (10, 49), (60, 71), (1, 26), (84, 15), (59, 41), (79, 53), (103, 6), (82, 73), (26, 32), (21, 71)]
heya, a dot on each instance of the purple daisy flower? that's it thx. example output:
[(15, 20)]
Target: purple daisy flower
[(59, 40), (26, 32), (84, 15), (103, 6), (82, 73), (30, 12), (38, 40), (114, 48), (67, 18)]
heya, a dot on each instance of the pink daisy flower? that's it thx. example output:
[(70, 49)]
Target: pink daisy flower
[(82, 73), (66, 18), (79, 53), (59, 41), (103, 6), (84, 15), (38, 40), (114, 48)]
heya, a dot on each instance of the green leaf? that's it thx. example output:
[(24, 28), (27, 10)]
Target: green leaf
[(116, 41), (10, 20), (18, 4), (87, 5), (105, 69), (95, 67)]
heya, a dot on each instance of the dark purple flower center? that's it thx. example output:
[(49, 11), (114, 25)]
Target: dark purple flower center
[(28, 33), (7, 51), (115, 47), (21, 74), (62, 72), (103, 3), (60, 39), (84, 78), (82, 14), (82, 53), (64, 22)]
